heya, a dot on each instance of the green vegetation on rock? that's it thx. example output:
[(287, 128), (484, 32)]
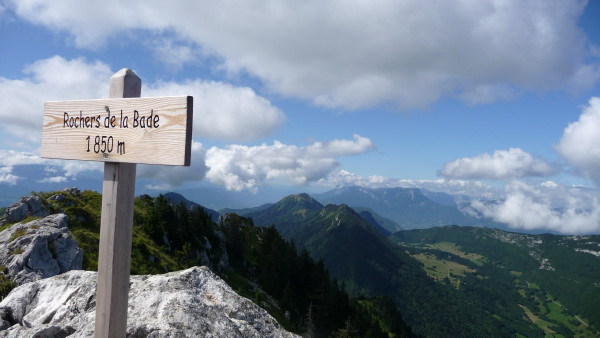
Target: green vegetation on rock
[(257, 262), (6, 284)]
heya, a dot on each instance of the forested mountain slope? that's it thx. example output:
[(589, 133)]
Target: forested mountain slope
[(256, 262), (554, 280), (368, 263)]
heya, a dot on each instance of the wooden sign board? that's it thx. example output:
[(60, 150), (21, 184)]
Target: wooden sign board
[(149, 130)]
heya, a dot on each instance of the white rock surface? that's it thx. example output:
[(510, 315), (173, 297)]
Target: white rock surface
[(27, 206), (189, 303), (39, 249)]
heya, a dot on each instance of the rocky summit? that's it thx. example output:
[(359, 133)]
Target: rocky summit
[(189, 303), (39, 249), (27, 206)]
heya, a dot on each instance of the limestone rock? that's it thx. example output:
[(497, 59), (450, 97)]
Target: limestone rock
[(72, 191), (39, 249), (27, 206), (189, 303)]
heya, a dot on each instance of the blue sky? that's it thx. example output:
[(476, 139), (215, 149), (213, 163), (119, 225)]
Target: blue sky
[(491, 99)]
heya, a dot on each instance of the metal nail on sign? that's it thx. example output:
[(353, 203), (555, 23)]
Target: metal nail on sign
[(149, 130)]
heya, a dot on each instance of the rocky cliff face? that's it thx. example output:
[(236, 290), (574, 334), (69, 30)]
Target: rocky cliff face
[(27, 206), (193, 302), (39, 249)]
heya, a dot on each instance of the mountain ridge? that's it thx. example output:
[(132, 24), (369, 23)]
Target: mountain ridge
[(410, 208), (368, 264), (256, 262)]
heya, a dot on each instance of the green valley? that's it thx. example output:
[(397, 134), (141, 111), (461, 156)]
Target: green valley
[(552, 280), (460, 281), (369, 264)]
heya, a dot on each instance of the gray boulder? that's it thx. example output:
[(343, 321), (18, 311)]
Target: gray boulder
[(39, 249), (189, 303), (27, 206)]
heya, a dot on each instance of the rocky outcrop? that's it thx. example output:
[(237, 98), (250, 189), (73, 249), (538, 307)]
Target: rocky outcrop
[(27, 206), (39, 249), (189, 303)]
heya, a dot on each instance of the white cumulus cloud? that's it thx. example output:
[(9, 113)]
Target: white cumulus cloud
[(355, 54), (7, 177), (239, 167), (555, 208), (222, 111), (54, 179), (174, 176), (13, 158), (52, 79), (580, 142), (502, 164), (73, 168)]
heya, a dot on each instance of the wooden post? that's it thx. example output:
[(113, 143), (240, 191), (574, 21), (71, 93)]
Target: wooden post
[(116, 224), (121, 131)]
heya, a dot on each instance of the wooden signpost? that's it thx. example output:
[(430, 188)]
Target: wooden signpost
[(120, 131)]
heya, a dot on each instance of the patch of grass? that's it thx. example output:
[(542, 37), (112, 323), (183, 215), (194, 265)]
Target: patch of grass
[(88, 241), (542, 324), (454, 249), (18, 233), (550, 316), (440, 269), (26, 220), (17, 251), (6, 226), (6, 285), (29, 219), (557, 313), (142, 248)]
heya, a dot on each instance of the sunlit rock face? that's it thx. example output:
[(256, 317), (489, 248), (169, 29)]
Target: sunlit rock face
[(189, 303), (39, 249)]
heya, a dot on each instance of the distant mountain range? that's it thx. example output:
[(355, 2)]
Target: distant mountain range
[(394, 209), (359, 255), (410, 208), (468, 281)]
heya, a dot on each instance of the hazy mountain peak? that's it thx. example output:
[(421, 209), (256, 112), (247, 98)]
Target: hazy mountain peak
[(409, 208), (299, 201)]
